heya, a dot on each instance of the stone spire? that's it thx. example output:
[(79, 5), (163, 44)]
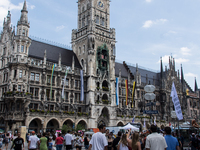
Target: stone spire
[(195, 85), (24, 15), (8, 18)]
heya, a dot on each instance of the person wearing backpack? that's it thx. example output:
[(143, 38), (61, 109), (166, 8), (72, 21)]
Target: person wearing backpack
[(193, 142)]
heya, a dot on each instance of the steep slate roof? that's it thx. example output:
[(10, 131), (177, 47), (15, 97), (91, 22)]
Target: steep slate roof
[(37, 49), (124, 72), (142, 72)]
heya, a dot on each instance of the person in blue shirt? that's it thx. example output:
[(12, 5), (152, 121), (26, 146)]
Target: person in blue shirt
[(172, 142)]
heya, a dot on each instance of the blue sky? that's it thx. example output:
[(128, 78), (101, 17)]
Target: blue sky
[(145, 29)]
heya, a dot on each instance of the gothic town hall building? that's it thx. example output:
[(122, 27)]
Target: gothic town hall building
[(25, 77)]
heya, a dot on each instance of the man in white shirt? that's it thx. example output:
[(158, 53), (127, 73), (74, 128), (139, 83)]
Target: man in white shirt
[(68, 141), (155, 141), (99, 141), (33, 141)]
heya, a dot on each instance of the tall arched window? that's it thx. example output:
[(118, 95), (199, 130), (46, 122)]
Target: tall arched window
[(97, 20)]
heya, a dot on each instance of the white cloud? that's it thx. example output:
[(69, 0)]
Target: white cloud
[(149, 23), (191, 74), (181, 60), (165, 59), (58, 28), (185, 51), (6, 5), (148, 1)]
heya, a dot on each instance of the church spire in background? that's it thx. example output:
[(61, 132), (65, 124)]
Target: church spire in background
[(195, 85)]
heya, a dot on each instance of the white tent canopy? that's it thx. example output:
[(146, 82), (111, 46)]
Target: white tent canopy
[(129, 126)]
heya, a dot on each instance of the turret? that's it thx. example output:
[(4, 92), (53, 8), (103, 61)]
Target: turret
[(9, 19), (21, 40)]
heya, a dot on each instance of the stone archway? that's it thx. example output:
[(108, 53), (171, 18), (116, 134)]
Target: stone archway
[(52, 125), (35, 125), (68, 123), (120, 124), (104, 117), (82, 124)]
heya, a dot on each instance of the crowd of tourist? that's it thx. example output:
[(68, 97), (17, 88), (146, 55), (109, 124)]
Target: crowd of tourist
[(102, 140)]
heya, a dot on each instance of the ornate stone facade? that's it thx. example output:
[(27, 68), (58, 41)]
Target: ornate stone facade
[(25, 77)]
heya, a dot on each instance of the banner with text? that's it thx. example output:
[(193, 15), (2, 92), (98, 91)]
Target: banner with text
[(176, 102)]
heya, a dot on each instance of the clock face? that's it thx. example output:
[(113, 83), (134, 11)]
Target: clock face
[(100, 4)]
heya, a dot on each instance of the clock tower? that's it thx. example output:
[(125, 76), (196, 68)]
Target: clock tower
[(94, 44)]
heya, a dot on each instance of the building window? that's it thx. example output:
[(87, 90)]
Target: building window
[(17, 48), (22, 48), (66, 108), (79, 50), (32, 76), (25, 49), (4, 51), (35, 106), (36, 92), (18, 106), (31, 105), (37, 77), (52, 94), (20, 73), (15, 73), (83, 22), (138, 94), (66, 96), (79, 109), (48, 79), (23, 32), (51, 107), (102, 22), (31, 90), (47, 93), (97, 20), (83, 49), (19, 88), (76, 83)]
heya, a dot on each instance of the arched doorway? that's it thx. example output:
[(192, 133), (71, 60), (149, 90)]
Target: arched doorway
[(69, 124), (82, 125), (104, 117), (52, 126), (35, 125), (120, 124)]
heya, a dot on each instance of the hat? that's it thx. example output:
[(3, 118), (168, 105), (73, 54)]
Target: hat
[(33, 132), (193, 133)]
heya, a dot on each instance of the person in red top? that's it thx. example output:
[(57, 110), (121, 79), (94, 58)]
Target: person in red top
[(59, 142)]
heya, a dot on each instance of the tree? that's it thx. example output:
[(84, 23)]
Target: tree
[(65, 128)]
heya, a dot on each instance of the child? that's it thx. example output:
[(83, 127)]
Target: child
[(50, 144)]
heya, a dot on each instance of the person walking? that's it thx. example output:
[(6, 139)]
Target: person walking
[(134, 142), (43, 142), (155, 141), (18, 142), (99, 141), (78, 142), (59, 142), (68, 141), (6, 140), (172, 142), (86, 142), (33, 141), (123, 144), (116, 140), (193, 142)]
